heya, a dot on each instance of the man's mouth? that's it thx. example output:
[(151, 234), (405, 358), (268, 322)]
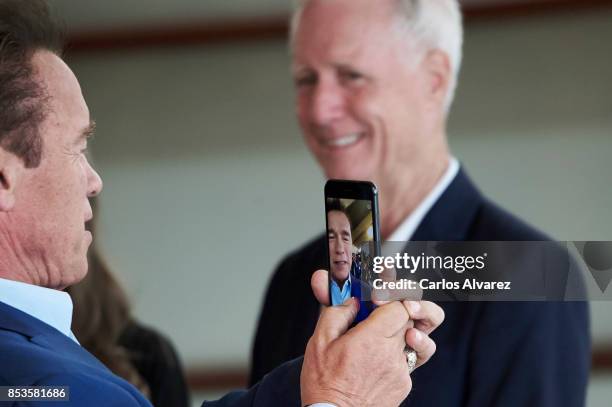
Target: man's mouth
[(344, 141)]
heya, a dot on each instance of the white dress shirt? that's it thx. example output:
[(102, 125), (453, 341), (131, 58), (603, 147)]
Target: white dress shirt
[(406, 229), (52, 307)]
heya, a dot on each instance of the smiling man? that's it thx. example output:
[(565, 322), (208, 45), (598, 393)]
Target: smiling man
[(374, 83)]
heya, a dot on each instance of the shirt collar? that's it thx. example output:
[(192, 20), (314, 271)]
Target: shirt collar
[(50, 306), (347, 283), (406, 229)]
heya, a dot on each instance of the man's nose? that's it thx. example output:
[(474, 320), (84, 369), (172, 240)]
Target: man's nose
[(337, 247), (94, 182), (327, 103)]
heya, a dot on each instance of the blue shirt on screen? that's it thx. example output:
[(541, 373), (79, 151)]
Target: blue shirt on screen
[(340, 295)]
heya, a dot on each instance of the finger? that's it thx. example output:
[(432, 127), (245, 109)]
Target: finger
[(320, 286), (386, 295), (422, 344), (381, 296), (334, 321), (396, 290), (387, 320), (389, 274), (426, 315)]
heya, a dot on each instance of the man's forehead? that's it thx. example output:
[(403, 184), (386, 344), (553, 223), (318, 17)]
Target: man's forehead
[(53, 71), (340, 217), (65, 100), (367, 8), (341, 30)]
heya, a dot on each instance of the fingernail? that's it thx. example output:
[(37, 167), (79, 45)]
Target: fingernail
[(414, 306), (418, 336)]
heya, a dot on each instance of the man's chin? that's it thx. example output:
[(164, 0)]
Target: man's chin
[(352, 172), (79, 271), (343, 276), (74, 279), (337, 275)]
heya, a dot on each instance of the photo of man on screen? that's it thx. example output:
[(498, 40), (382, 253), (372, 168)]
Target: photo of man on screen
[(340, 240)]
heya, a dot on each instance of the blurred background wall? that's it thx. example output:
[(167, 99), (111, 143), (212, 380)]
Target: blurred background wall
[(208, 183)]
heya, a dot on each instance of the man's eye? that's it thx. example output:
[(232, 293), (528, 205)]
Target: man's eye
[(350, 75), (305, 80)]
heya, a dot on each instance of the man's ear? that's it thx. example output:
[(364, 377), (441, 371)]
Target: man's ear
[(438, 68), (11, 168)]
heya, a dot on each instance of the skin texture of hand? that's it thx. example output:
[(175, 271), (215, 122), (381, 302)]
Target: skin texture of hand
[(365, 366), (341, 367)]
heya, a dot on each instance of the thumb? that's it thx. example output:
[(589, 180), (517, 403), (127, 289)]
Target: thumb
[(334, 321), (320, 286)]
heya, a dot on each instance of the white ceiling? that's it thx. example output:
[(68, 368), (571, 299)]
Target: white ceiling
[(99, 15)]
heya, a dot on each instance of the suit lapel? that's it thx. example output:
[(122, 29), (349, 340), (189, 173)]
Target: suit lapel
[(450, 218)]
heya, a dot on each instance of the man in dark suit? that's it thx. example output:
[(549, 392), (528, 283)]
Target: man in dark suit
[(45, 183), (374, 82)]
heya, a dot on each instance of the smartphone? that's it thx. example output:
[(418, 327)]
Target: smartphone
[(353, 240)]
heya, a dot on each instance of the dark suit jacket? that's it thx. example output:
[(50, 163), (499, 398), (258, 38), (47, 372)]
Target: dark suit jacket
[(33, 353), (281, 387), (488, 353)]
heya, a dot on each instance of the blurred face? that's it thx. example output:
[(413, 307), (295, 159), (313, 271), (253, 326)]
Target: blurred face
[(51, 205), (340, 245), (361, 95)]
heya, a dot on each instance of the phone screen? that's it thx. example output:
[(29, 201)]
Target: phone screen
[(352, 244)]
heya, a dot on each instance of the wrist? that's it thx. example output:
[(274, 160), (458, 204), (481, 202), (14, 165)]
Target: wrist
[(327, 399)]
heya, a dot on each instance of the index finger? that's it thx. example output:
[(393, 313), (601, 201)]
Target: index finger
[(426, 315), (387, 320), (396, 290)]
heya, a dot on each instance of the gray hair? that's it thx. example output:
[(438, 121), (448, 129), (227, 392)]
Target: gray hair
[(427, 24)]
